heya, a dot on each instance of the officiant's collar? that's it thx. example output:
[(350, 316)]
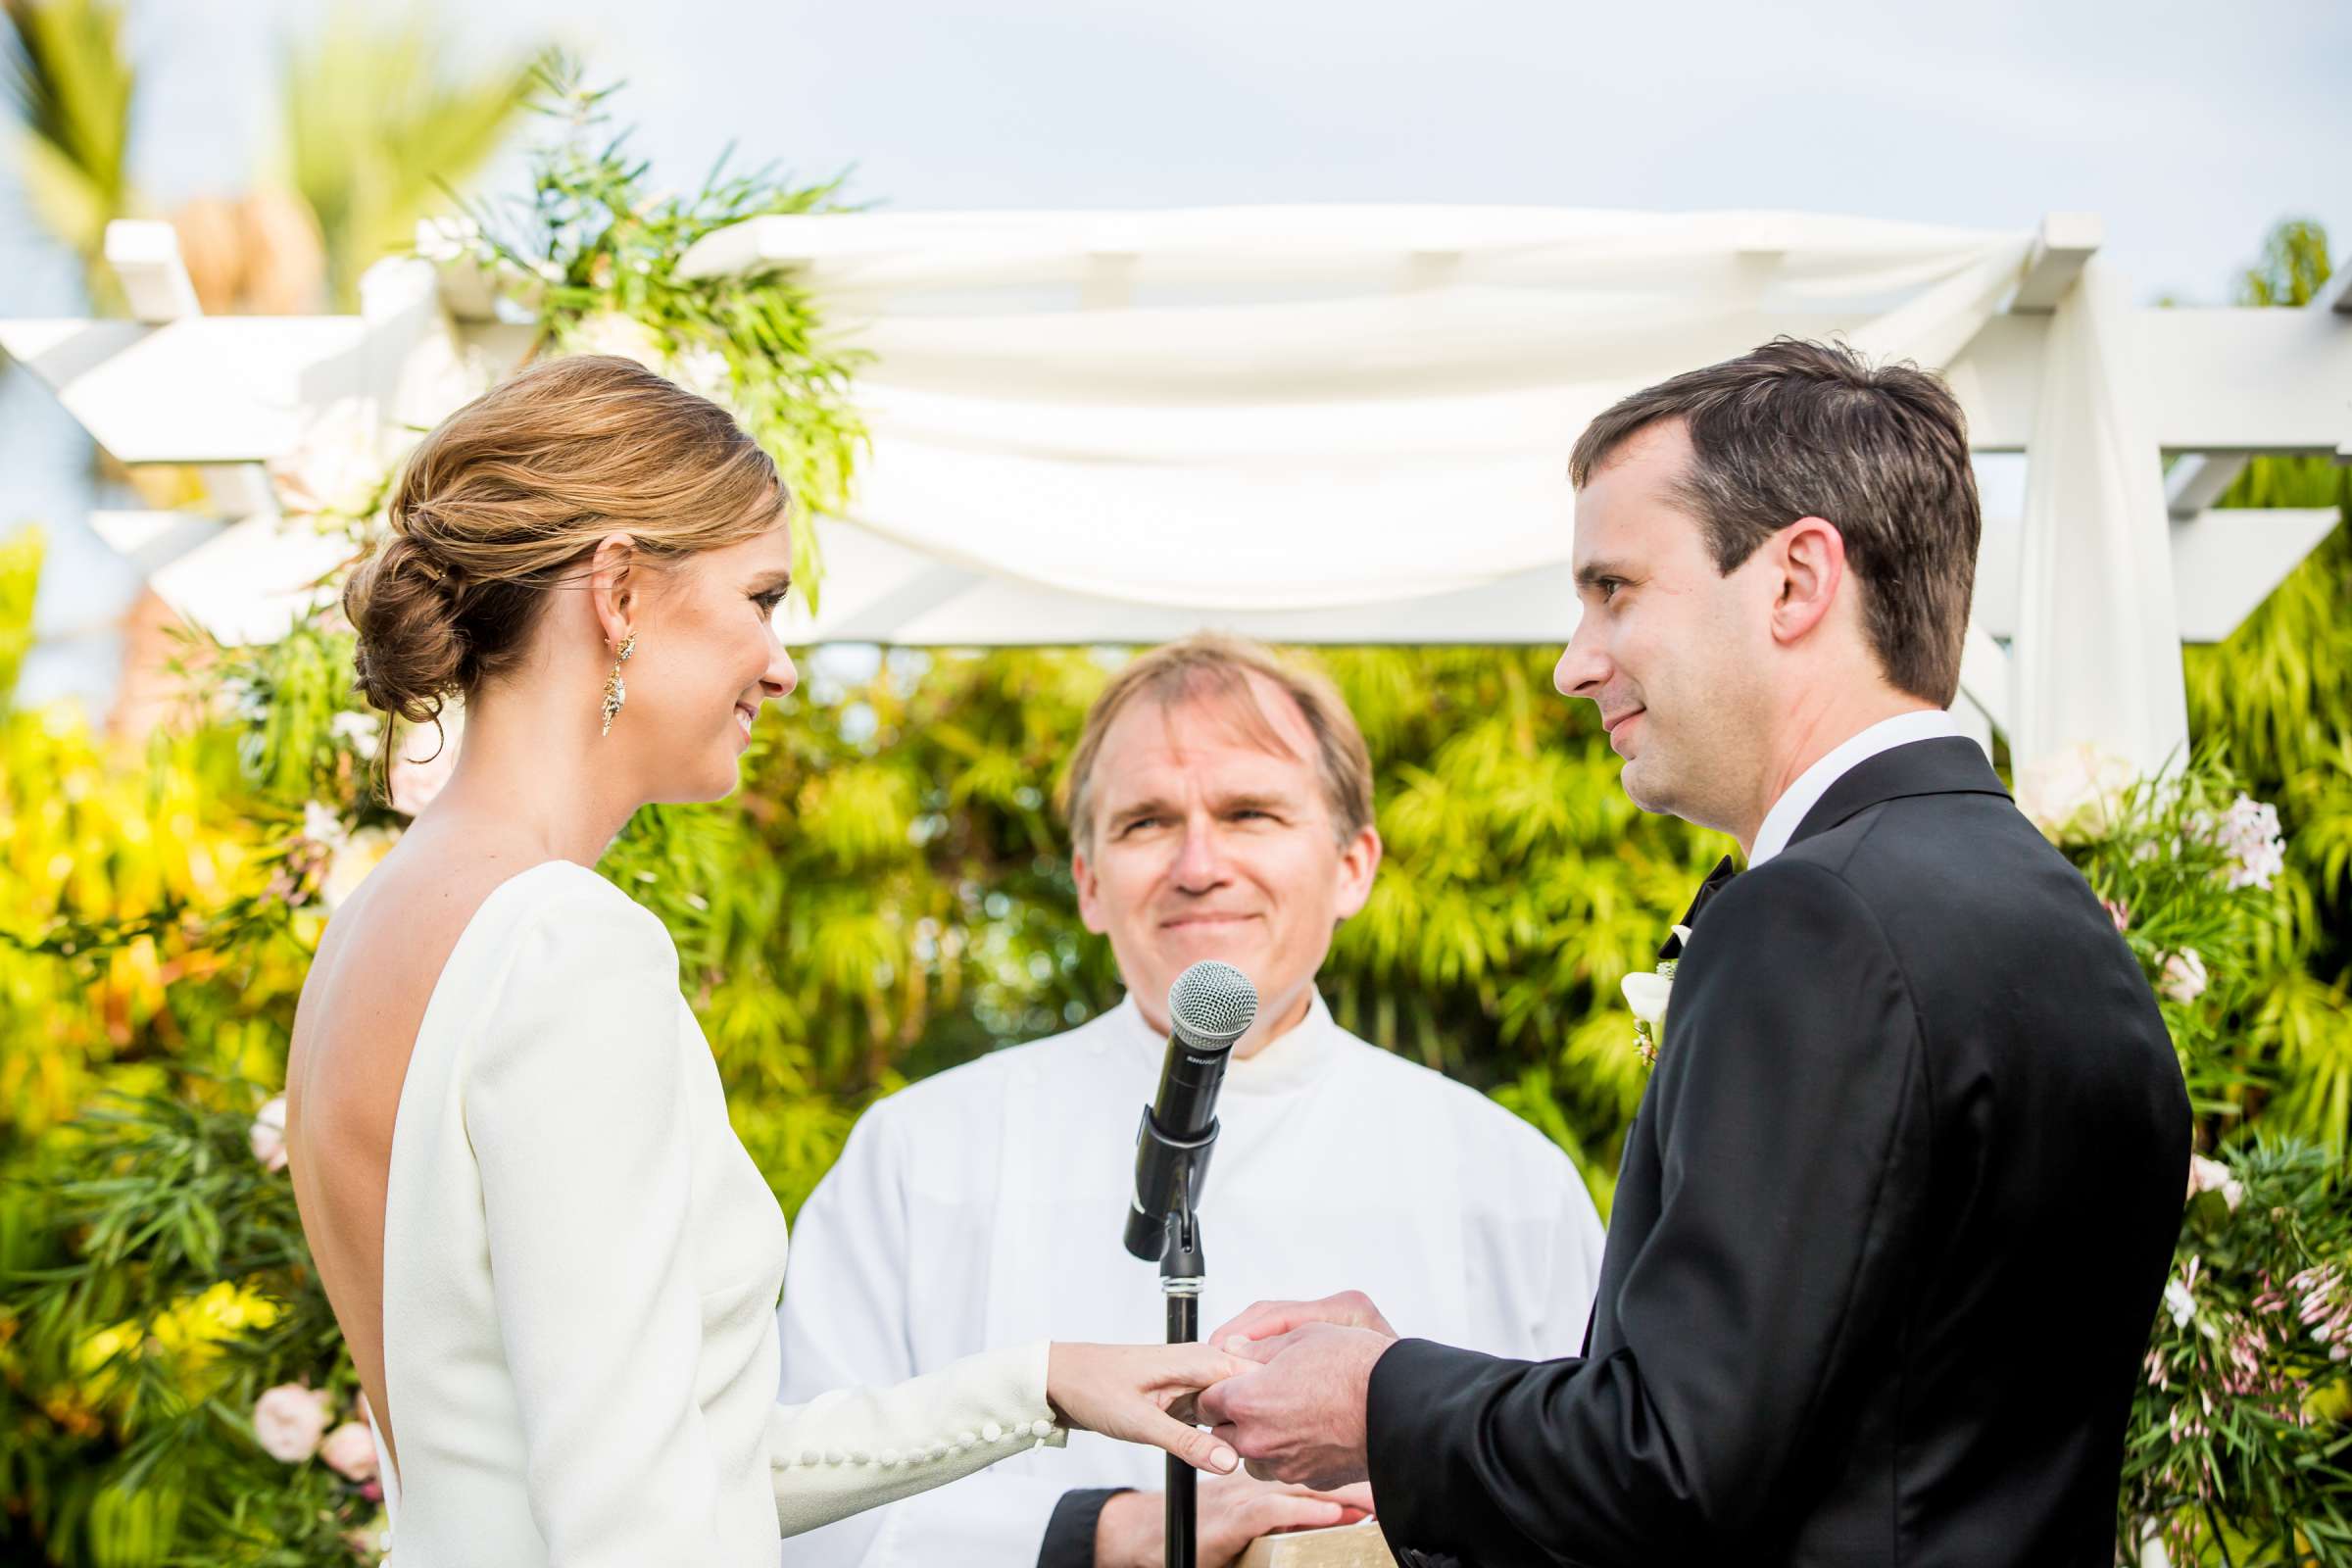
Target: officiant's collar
[(1948, 766), (1289, 1061)]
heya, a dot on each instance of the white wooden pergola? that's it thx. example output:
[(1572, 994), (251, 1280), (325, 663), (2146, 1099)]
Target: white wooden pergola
[(1325, 424)]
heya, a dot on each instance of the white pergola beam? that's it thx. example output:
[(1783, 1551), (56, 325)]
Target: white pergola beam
[(2226, 563), (2065, 242), (1984, 677), (232, 389), (145, 256), (2196, 481), (2227, 379)]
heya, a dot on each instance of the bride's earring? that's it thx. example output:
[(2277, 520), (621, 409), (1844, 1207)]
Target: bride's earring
[(616, 691)]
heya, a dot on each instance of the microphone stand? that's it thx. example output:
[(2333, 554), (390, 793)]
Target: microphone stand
[(1181, 1270)]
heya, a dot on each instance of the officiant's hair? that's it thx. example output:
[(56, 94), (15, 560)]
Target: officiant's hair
[(1798, 429), (1214, 666), (507, 498)]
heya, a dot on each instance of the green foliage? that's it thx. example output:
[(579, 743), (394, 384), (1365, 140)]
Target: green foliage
[(70, 81), (20, 575), (379, 123), (598, 254), (2276, 699)]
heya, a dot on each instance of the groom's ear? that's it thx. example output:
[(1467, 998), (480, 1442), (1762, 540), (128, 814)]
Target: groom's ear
[(1808, 557)]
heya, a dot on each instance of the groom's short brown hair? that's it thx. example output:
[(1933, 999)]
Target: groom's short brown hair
[(1797, 429)]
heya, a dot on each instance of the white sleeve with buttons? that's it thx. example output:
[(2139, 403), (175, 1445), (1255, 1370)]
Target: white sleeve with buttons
[(855, 1448)]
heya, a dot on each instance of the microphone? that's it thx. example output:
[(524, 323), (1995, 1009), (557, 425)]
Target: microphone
[(1210, 1006)]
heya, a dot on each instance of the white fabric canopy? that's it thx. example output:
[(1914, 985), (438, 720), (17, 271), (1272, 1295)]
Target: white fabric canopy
[(1344, 424), (1295, 409)]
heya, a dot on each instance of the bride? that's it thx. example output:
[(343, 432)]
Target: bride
[(556, 1266)]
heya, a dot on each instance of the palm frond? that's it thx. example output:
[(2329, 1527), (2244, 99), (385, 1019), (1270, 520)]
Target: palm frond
[(378, 122), (71, 84)]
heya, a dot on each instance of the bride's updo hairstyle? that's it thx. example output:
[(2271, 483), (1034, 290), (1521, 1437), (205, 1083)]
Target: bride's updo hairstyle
[(507, 500)]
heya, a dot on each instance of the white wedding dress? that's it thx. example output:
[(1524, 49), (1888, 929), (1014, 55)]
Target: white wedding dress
[(581, 1267)]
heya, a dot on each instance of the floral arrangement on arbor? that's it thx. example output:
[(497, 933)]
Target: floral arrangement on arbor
[(2238, 1451)]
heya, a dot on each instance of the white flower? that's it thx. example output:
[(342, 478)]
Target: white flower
[(2211, 1176), (2249, 831), (2075, 792), (360, 731), (289, 1422), (705, 373), (614, 332), (321, 825), (448, 238), (2185, 978), (350, 1453), (1647, 995), (267, 1137), (340, 464), (352, 859), (2178, 1303)]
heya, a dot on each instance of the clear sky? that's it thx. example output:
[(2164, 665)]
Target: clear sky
[(2190, 127)]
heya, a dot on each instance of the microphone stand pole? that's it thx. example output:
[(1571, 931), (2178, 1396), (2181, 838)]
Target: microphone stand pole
[(1181, 1268)]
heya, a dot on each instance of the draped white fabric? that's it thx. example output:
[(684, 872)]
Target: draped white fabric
[(2095, 593), (1292, 410), (1340, 425)]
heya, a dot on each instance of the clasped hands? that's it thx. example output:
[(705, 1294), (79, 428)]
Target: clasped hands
[(1297, 1415)]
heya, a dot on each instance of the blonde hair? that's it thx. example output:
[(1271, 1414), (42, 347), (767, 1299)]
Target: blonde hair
[(1214, 666), (507, 498)]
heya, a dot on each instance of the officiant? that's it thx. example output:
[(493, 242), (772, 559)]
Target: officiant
[(1220, 806)]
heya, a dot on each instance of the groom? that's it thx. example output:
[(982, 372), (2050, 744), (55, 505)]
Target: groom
[(1896, 1208)]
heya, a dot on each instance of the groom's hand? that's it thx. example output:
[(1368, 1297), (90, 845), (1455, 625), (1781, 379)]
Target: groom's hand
[(1299, 1417), (1352, 1309)]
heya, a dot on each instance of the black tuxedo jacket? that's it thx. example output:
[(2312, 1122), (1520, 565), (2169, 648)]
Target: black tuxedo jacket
[(1889, 1235)]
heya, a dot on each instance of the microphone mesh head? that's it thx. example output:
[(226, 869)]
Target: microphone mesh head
[(1212, 1003)]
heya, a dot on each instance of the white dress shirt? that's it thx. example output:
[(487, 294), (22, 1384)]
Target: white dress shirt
[(1787, 814), (986, 1204)]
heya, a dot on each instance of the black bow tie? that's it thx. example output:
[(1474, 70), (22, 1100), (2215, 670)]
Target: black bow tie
[(1717, 880)]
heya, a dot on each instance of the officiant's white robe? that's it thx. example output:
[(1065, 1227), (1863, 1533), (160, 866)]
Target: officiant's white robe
[(984, 1206)]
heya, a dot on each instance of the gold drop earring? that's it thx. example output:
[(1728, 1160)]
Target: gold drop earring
[(616, 691)]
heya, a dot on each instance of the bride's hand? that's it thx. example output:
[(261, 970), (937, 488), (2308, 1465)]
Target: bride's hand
[(1142, 1394)]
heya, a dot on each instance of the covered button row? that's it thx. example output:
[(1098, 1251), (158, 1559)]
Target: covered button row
[(892, 1458)]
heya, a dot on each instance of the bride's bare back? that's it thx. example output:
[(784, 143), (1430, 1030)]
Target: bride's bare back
[(354, 1031)]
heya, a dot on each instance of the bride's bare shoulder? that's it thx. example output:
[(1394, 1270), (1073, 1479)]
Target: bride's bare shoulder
[(383, 951)]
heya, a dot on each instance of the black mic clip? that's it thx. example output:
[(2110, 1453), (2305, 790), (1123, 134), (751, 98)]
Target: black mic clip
[(1169, 1171)]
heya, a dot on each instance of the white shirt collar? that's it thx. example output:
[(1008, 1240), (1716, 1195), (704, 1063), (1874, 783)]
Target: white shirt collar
[(1290, 1060), (1788, 812)]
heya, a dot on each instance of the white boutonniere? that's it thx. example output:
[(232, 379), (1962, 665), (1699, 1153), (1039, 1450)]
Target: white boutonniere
[(1647, 996)]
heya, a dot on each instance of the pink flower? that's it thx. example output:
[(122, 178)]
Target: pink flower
[(350, 1453), (288, 1421), (2211, 1176), (268, 1135), (2249, 831), (2118, 912), (422, 761), (2184, 979)]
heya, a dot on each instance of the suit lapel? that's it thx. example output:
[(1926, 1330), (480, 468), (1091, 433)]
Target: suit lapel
[(1948, 766)]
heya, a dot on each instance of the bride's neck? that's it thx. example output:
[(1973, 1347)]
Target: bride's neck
[(539, 776)]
